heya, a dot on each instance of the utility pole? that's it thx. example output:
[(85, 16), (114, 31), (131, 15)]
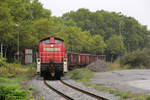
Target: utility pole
[(18, 42), (120, 37), (1, 50), (18, 47), (120, 28)]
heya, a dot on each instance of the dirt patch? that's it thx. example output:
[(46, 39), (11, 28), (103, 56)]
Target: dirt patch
[(98, 66)]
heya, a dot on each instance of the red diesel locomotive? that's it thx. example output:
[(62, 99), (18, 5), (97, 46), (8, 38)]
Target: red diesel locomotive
[(53, 61)]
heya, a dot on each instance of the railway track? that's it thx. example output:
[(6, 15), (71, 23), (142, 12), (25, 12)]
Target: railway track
[(83, 91), (58, 92), (67, 96)]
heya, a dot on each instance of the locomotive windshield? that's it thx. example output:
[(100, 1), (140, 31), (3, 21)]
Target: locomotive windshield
[(58, 41), (46, 41)]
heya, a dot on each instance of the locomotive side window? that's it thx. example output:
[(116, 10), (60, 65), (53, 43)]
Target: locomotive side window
[(46, 41), (58, 41)]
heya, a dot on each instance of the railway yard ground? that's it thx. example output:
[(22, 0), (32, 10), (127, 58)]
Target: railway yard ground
[(48, 94), (113, 85), (120, 84)]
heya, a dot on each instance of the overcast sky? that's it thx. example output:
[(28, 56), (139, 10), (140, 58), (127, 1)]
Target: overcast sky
[(139, 9)]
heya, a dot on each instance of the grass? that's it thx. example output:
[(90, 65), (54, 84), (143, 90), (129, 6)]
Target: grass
[(13, 79), (83, 75), (16, 70), (117, 66), (114, 66), (32, 89), (13, 92), (11, 89), (8, 80)]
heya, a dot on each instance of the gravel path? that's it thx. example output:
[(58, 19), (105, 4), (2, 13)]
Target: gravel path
[(44, 91), (92, 90), (76, 95), (135, 81)]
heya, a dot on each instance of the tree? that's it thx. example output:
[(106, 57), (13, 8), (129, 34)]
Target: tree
[(97, 45), (115, 46), (19, 17)]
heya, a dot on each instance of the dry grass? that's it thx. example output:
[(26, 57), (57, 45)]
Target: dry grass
[(16, 70)]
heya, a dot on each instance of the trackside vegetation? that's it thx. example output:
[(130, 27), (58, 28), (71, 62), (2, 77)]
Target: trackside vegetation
[(84, 75), (137, 59), (13, 81)]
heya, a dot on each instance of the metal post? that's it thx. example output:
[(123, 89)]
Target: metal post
[(18, 47), (120, 37), (18, 42), (120, 28), (1, 50)]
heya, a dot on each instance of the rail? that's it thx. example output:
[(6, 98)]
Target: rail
[(58, 92), (83, 91)]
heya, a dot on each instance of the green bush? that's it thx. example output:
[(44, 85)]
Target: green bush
[(17, 70), (3, 62), (126, 66), (148, 98), (137, 58), (77, 74), (12, 93), (82, 74)]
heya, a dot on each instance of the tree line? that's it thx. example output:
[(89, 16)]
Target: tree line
[(83, 31)]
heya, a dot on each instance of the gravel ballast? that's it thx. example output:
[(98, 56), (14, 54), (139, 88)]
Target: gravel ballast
[(44, 91), (48, 94), (98, 66), (91, 90), (76, 95)]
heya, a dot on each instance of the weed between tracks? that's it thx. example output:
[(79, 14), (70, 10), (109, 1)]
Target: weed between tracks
[(13, 82), (83, 75)]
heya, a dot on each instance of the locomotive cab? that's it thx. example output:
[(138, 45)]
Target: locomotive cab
[(52, 60)]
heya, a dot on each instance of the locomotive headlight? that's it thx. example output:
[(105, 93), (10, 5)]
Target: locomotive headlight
[(52, 45)]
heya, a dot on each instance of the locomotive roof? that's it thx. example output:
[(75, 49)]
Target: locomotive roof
[(51, 37)]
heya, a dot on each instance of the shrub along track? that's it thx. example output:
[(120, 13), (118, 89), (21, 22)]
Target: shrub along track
[(80, 91)]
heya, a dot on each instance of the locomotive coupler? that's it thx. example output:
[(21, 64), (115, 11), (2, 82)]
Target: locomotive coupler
[(52, 69)]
